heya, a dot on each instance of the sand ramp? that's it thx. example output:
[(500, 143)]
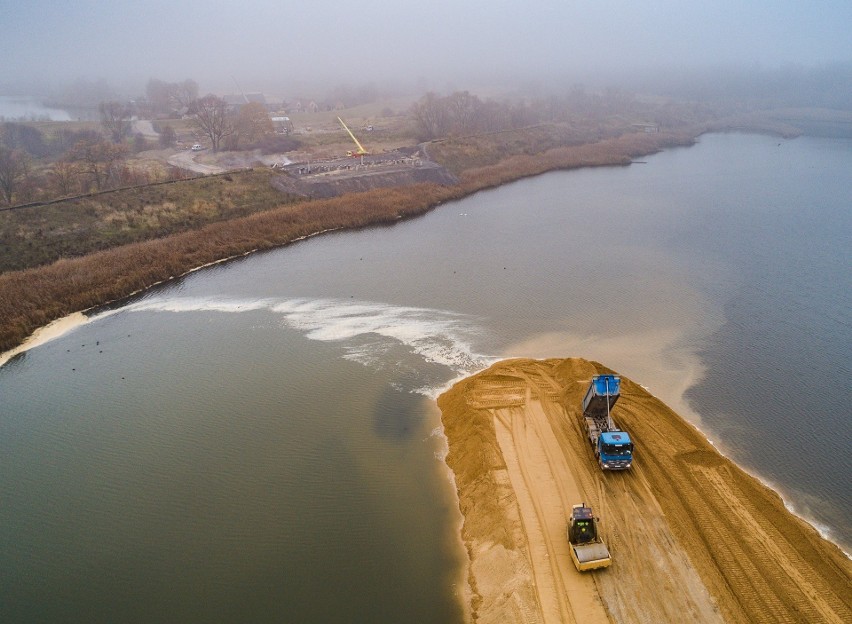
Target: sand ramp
[(693, 538)]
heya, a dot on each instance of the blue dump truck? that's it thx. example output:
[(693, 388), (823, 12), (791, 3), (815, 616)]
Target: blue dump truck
[(613, 447)]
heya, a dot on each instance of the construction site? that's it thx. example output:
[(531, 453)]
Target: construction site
[(360, 170)]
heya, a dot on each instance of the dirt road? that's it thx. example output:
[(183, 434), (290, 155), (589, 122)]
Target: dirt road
[(693, 538), (145, 128), (186, 160)]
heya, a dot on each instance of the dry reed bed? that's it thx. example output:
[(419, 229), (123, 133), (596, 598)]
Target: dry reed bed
[(32, 298)]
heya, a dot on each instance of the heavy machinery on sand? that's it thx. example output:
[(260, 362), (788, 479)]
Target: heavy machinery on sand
[(613, 447), (587, 548)]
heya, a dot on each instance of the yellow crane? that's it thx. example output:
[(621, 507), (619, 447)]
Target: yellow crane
[(360, 151)]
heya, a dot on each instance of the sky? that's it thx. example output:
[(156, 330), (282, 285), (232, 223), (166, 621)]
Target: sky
[(262, 43)]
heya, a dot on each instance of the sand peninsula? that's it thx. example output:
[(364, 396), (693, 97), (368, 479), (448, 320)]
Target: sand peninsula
[(693, 537)]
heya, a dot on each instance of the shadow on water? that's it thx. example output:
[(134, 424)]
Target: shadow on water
[(397, 414), (15, 360)]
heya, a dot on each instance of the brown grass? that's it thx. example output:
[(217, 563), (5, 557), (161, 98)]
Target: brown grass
[(37, 235), (461, 154), (32, 298), (616, 151)]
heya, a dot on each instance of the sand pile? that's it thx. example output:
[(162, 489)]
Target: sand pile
[(692, 536)]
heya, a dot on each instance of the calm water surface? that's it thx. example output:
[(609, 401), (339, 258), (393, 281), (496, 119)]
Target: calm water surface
[(259, 442), (26, 108)]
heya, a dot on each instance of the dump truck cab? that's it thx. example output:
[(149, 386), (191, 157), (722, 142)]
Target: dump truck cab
[(615, 450)]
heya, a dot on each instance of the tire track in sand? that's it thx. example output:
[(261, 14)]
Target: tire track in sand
[(693, 538), (542, 487)]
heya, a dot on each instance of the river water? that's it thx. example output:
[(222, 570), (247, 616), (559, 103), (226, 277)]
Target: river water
[(27, 108), (258, 441)]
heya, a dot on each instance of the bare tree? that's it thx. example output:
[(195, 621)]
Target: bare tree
[(63, 178), (431, 115), (464, 109), (115, 118), (98, 160), (213, 119), (170, 97), (14, 166), (183, 94)]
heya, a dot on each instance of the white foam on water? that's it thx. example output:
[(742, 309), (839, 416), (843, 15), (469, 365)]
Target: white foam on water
[(367, 331), (438, 336), (443, 449), (193, 304)]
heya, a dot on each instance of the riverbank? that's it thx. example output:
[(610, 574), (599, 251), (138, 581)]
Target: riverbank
[(693, 537), (32, 298)]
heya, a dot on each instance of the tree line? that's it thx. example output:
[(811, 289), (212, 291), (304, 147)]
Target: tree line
[(462, 113), (39, 167), (35, 166), (81, 161)]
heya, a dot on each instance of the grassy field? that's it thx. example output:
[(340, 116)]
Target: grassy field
[(322, 135), (38, 235)]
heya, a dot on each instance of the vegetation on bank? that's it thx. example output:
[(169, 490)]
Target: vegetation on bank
[(609, 152), (38, 235), (462, 153), (31, 298)]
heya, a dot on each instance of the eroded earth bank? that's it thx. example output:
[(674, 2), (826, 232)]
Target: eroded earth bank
[(693, 537)]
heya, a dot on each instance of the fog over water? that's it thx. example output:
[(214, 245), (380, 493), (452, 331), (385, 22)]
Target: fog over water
[(276, 45)]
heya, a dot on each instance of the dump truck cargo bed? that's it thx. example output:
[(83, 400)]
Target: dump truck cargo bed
[(602, 394)]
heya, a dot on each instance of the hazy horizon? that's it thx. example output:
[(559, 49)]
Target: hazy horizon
[(279, 47)]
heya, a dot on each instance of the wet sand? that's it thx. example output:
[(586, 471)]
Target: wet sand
[(693, 537), (45, 334)]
